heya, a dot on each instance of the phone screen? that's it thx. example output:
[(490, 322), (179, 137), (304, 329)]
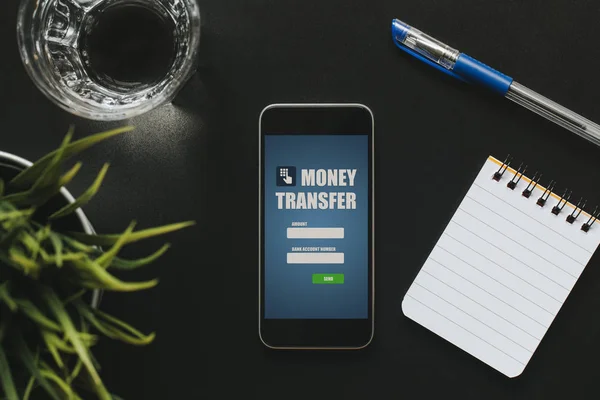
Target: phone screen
[(316, 226)]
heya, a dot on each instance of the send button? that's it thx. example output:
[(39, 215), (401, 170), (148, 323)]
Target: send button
[(328, 279)]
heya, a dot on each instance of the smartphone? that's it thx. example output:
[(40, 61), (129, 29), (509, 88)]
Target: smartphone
[(316, 226)]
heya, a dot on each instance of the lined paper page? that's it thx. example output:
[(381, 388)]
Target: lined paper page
[(501, 271)]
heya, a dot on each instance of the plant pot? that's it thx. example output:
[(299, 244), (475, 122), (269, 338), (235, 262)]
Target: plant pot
[(11, 165)]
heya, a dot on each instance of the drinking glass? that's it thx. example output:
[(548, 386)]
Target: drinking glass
[(109, 59)]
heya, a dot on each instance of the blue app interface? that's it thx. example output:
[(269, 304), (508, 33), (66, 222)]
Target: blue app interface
[(316, 226)]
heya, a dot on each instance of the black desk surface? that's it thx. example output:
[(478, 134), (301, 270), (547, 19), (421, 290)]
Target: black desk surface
[(198, 160)]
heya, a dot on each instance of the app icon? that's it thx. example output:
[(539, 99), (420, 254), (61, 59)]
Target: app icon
[(286, 176)]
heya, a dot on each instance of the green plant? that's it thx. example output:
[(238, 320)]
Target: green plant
[(47, 325)]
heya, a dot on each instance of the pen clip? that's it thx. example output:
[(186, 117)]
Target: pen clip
[(399, 35), (427, 61)]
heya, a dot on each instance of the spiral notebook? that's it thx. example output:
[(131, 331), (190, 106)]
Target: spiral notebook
[(503, 267)]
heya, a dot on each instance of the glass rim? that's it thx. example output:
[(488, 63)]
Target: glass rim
[(34, 67)]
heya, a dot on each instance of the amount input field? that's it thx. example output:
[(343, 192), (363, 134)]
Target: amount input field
[(315, 258), (315, 233)]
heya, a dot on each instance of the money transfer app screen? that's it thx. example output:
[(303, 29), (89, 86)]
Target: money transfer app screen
[(316, 226)]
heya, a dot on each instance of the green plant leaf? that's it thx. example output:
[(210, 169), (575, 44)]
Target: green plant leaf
[(84, 198), (41, 196), (6, 206), (76, 370), (30, 363), (32, 173), (32, 312), (126, 329), (109, 240), (58, 249), (1, 187), (29, 388), (95, 362), (69, 175), (63, 344), (30, 267), (74, 297), (30, 243), (9, 263), (79, 364), (76, 245), (46, 179), (49, 339), (6, 377), (95, 277), (6, 297), (47, 176), (40, 236), (12, 228), (51, 173), (88, 339), (5, 216), (65, 257), (106, 258), (128, 265), (64, 386), (71, 333), (112, 327), (43, 233)]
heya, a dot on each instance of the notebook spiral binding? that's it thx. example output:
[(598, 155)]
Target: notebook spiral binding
[(543, 199)]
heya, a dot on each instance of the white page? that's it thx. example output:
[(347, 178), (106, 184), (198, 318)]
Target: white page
[(501, 271)]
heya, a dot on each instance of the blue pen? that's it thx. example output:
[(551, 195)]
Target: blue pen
[(459, 65)]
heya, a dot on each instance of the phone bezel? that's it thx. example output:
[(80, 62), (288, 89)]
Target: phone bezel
[(317, 119)]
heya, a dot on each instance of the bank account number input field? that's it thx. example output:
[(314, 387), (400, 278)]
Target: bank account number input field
[(316, 254)]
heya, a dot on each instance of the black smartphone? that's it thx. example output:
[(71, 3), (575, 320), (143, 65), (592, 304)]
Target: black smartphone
[(316, 226)]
